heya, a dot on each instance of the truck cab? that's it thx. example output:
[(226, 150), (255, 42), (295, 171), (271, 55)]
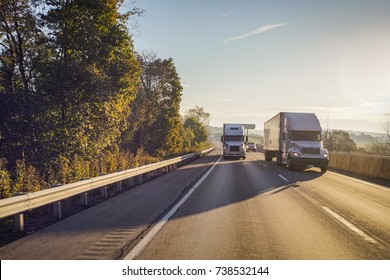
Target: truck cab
[(304, 149), (234, 141)]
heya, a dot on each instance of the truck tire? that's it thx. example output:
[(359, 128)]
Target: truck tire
[(324, 169), (268, 156), (279, 159), (289, 164)]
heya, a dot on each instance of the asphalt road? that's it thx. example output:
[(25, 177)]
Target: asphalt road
[(243, 209), (254, 209)]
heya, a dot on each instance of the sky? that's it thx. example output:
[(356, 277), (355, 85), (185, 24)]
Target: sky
[(245, 61)]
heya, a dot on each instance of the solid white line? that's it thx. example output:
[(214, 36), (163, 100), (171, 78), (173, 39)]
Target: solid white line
[(283, 178), (360, 181), (349, 225), (160, 224)]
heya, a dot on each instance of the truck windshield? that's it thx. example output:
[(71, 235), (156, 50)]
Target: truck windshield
[(234, 138), (306, 135)]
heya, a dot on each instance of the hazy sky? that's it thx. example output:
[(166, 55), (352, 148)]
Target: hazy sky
[(245, 61)]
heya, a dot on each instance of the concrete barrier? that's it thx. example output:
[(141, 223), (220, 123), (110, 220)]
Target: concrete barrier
[(371, 166)]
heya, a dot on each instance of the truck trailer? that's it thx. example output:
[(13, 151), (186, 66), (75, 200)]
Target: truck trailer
[(234, 140), (295, 139)]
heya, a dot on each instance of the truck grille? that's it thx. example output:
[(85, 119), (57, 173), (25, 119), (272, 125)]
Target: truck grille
[(313, 151), (234, 148)]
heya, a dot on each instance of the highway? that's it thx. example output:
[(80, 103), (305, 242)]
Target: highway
[(242, 209)]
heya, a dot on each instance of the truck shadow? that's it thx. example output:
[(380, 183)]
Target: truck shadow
[(234, 181)]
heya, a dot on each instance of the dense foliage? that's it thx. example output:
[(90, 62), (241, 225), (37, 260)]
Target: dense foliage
[(196, 121), (76, 100)]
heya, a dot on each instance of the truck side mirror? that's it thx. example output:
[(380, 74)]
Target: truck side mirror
[(222, 138), (246, 138)]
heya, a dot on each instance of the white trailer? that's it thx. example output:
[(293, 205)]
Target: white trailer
[(295, 139)]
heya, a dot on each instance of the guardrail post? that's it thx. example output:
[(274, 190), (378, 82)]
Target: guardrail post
[(131, 182), (18, 219), (84, 196), (140, 179), (57, 211), (104, 191), (119, 186)]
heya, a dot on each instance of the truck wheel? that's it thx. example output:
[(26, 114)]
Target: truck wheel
[(289, 164), (279, 159), (324, 169), (268, 156)]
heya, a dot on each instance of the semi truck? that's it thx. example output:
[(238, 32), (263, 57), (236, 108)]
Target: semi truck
[(295, 139), (234, 140)]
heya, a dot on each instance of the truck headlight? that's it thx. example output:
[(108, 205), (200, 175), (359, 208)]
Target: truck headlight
[(325, 155), (295, 154)]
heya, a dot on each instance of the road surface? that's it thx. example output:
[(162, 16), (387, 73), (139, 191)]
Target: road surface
[(243, 209)]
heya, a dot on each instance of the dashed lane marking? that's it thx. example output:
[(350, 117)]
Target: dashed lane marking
[(284, 178)]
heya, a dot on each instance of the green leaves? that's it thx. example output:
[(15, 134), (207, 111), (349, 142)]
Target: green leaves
[(75, 98), (155, 122), (93, 78), (195, 122)]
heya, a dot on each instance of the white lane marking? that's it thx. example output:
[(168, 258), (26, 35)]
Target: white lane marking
[(349, 225), (264, 165), (137, 250), (360, 181), (284, 178)]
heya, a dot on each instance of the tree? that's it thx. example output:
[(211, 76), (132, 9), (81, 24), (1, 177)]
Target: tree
[(5, 180), (156, 124), (381, 145), (68, 76), (195, 121), (89, 81), (20, 50), (199, 114), (386, 128), (339, 141)]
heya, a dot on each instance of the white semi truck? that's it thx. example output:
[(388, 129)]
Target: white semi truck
[(295, 139), (234, 140)]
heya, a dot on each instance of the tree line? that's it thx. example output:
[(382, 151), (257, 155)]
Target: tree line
[(77, 100), (341, 141)]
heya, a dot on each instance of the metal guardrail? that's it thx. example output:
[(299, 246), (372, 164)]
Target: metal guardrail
[(18, 204)]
